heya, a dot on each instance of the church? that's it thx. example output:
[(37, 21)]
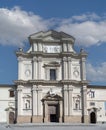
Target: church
[(52, 84)]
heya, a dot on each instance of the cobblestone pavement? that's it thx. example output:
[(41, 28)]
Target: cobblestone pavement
[(53, 126)]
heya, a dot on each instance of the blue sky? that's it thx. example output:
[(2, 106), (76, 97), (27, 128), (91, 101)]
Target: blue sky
[(83, 19)]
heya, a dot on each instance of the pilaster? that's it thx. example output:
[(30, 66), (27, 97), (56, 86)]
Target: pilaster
[(70, 89), (20, 67), (65, 74), (69, 68), (65, 100), (34, 68), (83, 64), (39, 46), (40, 109), (39, 67), (64, 46), (61, 111), (34, 101), (84, 103), (45, 111), (83, 69), (20, 102)]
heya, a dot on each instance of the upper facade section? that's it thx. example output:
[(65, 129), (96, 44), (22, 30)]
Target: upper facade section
[(51, 42), (51, 56)]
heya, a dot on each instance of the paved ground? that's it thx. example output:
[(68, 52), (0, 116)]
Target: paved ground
[(53, 126)]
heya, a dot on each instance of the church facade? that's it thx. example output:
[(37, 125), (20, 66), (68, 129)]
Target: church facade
[(51, 85)]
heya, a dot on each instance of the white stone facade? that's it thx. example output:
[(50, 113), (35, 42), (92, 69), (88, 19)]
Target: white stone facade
[(96, 102), (51, 83), (7, 103)]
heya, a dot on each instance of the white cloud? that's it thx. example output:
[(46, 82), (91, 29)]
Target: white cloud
[(16, 25), (96, 73), (88, 29), (85, 17)]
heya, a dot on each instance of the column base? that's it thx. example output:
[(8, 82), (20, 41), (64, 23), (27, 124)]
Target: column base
[(76, 119), (24, 119), (85, 119), (60, 119), (37, 119)]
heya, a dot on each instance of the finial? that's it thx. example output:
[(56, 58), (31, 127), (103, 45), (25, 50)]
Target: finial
[(20, 49)]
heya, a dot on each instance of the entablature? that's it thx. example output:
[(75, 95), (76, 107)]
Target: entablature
[(50, 82)]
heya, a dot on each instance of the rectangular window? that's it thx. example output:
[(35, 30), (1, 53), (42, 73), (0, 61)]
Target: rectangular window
[(92, 94), (11, 93), (52, 74), (92, 104), (105, 105)]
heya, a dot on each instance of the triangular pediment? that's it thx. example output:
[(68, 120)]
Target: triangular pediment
[(9, 108), (53, 97), (50, 35)]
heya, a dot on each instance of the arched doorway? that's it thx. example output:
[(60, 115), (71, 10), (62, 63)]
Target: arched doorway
[(92, 117), (52, 108), (53, 112), (11, 118)]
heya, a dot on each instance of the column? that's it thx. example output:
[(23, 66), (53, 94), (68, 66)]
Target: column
[(65, 100), (45, 112), (34, 68), (84, 103), (57, 73), (20, 105), (70, 100), (83, 69), (65, 68), (61, 111), (39, 67), (35, 47), (40, 47), (83, 64), (64, 47), (34, 101), (69, 68), (40, 109), (47, 73), (20, 65)]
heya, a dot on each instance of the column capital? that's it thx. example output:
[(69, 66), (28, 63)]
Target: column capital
[(83, 59), (36, 89), (39, 59), (34, 59), (70, 89), (19, 90), (65, 59), (20, 58), (65, 88), (69, 59)]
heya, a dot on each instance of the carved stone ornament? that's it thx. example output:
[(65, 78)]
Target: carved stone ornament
[(27, 73), (76, 72), (51, 49)]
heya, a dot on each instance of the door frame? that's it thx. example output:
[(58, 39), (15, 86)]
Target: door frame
[(52, 100)]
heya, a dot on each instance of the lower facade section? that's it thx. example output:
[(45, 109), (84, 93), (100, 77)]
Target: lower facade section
[(24, 119), (76, 119), (37, 119), (40, 119)]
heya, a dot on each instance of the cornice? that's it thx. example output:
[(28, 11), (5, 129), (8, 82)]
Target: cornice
[(50, 82), (22, 54), (84, 82), (37, 54), (42, 54), (70, 82)]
